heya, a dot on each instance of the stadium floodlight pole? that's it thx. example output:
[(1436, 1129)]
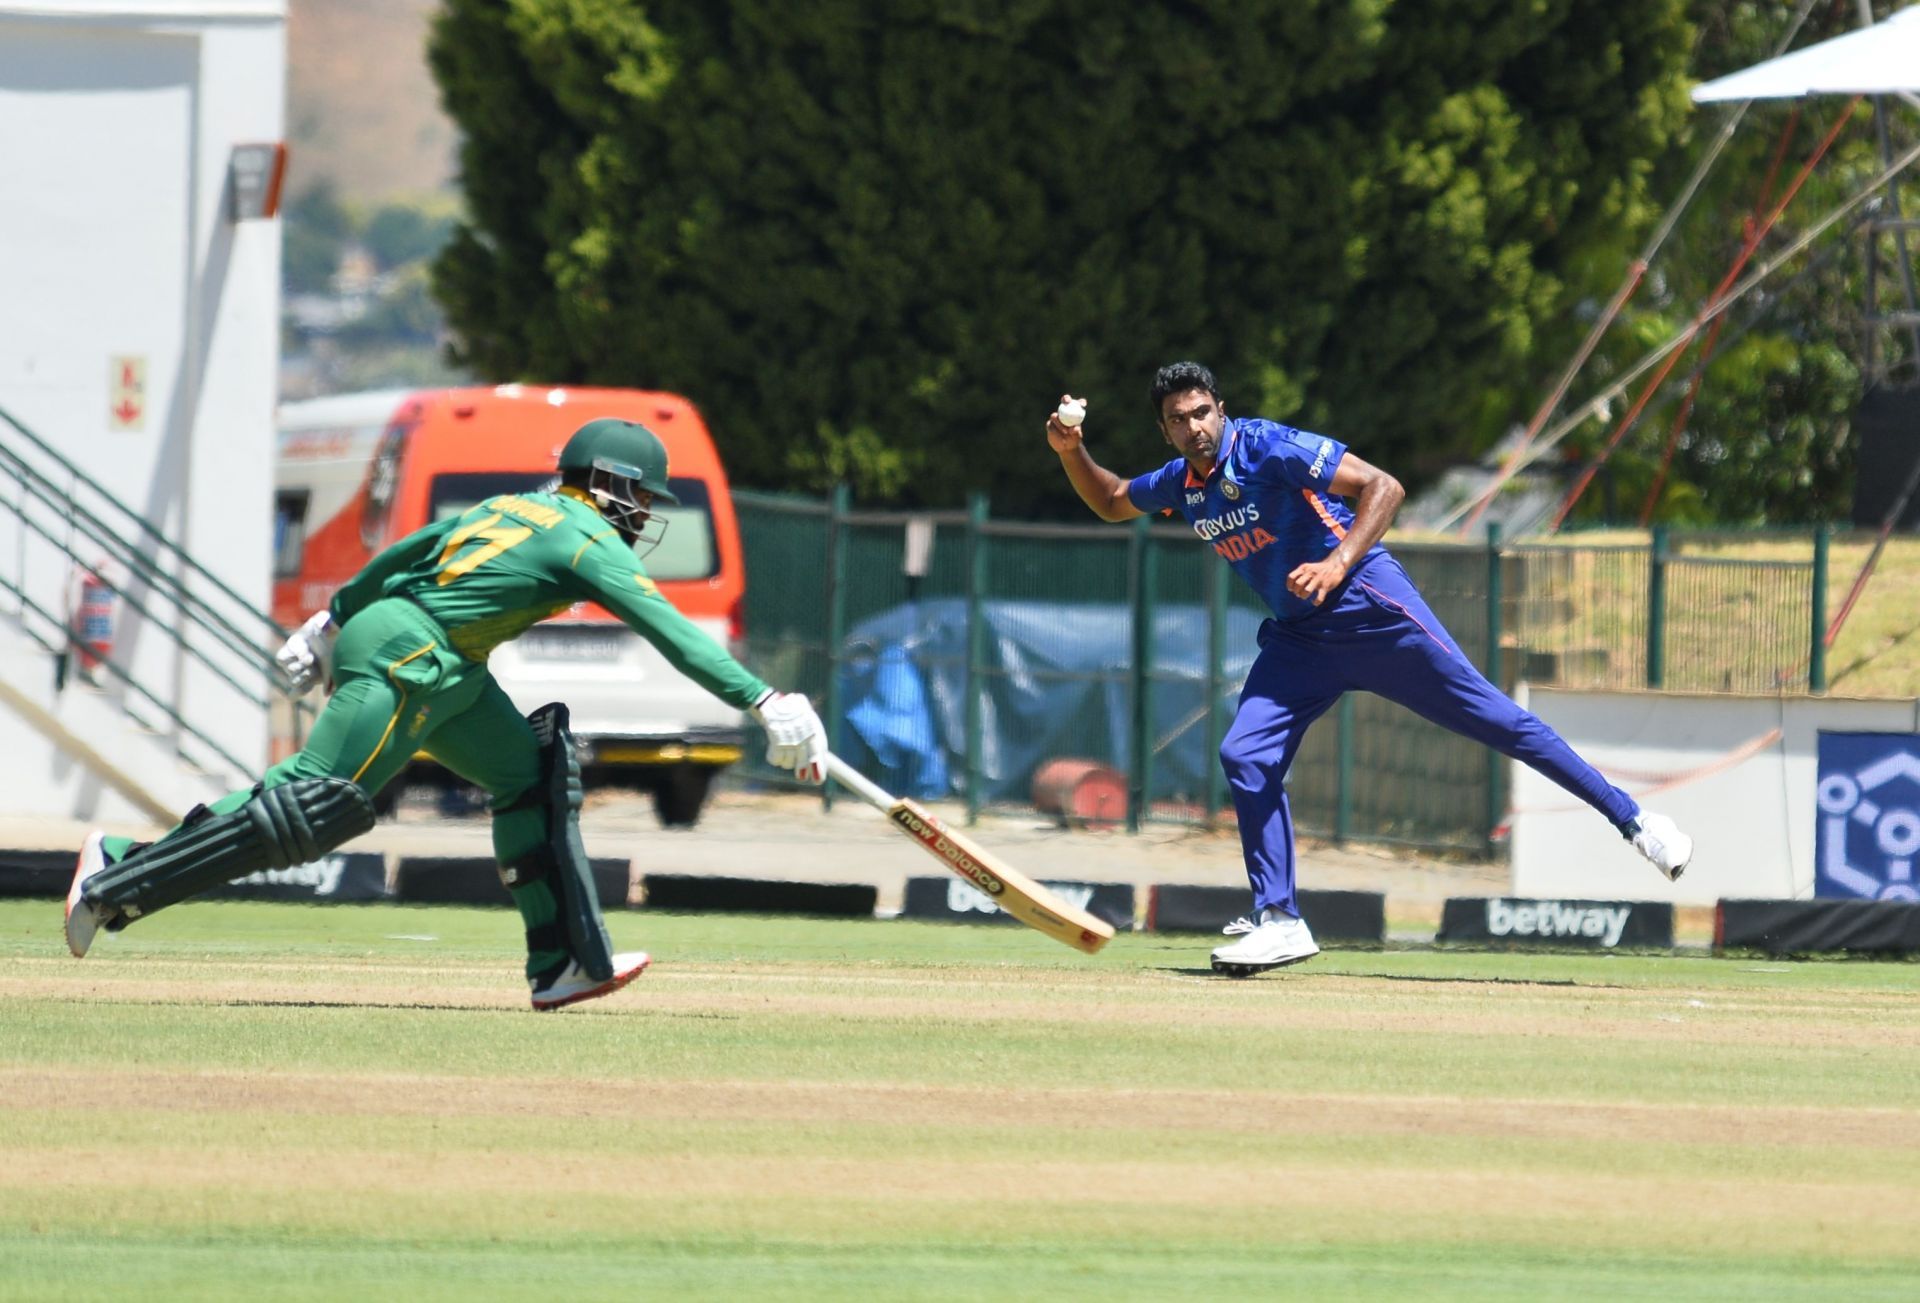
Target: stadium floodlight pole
[(1573, 420), (1634, 275)]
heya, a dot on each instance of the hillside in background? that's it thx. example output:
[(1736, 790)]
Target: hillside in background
[(370, 198), (362, 110)]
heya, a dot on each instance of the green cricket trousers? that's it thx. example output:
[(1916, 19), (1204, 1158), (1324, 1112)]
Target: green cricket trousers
[(400, 688)]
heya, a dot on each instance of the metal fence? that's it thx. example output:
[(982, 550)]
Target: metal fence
[(959, 656), (1674, 612)]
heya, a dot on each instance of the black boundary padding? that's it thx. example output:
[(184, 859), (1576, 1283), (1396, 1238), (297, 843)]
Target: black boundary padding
[(339, 878), (475, 880), (1809, 927), (1551, 923), (947, 899), (1348, 917), (37, 873), (699, 894)]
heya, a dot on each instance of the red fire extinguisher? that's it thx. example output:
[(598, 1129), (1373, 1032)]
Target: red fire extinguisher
[(93, 619)]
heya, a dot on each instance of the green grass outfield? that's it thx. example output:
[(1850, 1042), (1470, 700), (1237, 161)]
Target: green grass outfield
[(273, 1101)]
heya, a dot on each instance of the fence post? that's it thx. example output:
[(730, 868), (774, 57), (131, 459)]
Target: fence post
[(1817, 660), (1141, 576), (1496, 671), (1657, 607), (838, 507), (976, 644), (1343, 771), (1218, 577)]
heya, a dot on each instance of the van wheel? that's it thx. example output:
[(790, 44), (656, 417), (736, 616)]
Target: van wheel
[(679, 793)]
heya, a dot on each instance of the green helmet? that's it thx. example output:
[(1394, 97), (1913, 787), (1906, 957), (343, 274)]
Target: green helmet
[(624, 449), (623, 461)]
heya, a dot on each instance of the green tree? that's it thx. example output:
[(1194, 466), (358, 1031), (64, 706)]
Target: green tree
[(878, 241), (1769, 437)]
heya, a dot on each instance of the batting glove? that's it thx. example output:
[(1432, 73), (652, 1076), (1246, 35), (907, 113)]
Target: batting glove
[(307, 657), (796, 739)]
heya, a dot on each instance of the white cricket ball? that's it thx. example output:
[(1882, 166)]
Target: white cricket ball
[(1071, 413)]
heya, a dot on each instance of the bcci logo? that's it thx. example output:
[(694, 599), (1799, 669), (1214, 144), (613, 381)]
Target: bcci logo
[(1229, 489)]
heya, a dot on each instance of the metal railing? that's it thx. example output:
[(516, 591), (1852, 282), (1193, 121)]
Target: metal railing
[(1676, 611), (60, 511)]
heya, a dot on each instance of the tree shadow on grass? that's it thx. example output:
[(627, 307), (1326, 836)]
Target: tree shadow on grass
[(403, 1006), (573, 1011), (516, 1011)]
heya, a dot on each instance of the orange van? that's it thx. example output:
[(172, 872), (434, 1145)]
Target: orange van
[(356, 472)]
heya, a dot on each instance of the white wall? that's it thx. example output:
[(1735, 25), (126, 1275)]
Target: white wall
[(1752, 821), (117, 124)]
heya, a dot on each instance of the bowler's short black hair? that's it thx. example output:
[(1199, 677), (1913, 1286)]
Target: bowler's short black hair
[(1177, 378)]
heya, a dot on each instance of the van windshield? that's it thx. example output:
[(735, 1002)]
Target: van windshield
[(687, 551)]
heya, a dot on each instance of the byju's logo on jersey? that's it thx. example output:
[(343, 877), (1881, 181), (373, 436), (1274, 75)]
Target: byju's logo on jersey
[(1320, 458)]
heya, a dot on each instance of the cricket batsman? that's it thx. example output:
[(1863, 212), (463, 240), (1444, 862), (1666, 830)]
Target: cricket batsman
[(404, 645), (1267, 497)]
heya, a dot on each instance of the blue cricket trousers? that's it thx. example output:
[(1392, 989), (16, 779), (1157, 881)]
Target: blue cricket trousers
[(1375, 635)]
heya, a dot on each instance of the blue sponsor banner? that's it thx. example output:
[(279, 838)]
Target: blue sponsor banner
[(1867, 838)]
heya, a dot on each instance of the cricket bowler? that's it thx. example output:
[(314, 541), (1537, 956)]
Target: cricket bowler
[(1267, 497), (404, 645)]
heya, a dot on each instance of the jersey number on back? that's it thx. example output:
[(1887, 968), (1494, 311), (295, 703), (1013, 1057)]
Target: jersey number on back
[(496, 540)]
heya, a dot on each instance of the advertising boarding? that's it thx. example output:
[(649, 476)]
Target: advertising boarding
[(1867, 834)]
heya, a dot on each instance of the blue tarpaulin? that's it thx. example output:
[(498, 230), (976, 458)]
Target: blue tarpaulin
[(1056, 682)]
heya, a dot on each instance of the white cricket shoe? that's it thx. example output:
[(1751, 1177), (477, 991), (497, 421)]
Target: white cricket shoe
[(84, 918), (1661, 841), (574, 985), (1274, 942)]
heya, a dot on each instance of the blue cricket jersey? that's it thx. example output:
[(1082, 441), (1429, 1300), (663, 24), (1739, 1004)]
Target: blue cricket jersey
[(1265, 507)]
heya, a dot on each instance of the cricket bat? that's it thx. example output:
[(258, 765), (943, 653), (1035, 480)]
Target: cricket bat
[(1006, 887)]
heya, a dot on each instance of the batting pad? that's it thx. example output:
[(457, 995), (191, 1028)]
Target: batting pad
[(563, 860), (280, 827)]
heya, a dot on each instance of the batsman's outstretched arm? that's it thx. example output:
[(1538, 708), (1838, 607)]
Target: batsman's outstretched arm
[(606, 572), (1103, 491)]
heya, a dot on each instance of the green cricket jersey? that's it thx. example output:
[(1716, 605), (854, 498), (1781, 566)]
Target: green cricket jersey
[(493, 573)]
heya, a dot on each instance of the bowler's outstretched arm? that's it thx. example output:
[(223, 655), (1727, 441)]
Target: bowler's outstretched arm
[(1103, 491)]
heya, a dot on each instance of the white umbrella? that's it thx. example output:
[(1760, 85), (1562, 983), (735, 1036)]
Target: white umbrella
[(1880, 60)]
